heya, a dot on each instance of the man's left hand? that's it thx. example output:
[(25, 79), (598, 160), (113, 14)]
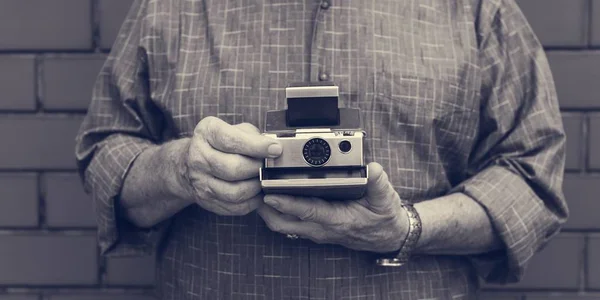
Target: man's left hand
[(375, 223)]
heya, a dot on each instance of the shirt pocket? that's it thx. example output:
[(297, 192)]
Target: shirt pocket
[(421, 129)]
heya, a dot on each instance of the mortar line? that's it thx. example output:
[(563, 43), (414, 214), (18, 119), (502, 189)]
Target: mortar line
[(38, 85), (95, 19), (589, 17), (585, 144), (583, 264), (41, 190)]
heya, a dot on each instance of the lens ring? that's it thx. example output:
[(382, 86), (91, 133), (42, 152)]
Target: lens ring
[(345, 146), (316, 152)]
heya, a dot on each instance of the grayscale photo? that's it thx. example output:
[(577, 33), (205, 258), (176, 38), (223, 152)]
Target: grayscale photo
[(299, 149)]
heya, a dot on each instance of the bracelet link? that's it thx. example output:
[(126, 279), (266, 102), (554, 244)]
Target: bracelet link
[(410, 241)]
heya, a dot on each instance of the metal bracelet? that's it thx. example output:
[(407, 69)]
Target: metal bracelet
[(410, 242)]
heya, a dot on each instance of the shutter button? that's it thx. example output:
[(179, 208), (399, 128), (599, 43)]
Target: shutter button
[(324, 77), (325, 4)]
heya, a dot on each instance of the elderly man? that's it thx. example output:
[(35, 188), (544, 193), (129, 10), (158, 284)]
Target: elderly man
[(464, 142)]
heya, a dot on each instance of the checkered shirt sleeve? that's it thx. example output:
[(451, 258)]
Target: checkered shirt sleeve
[(517, 166), (119, 125)]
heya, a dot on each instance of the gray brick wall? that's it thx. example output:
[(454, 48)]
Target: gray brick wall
[(50, 54)]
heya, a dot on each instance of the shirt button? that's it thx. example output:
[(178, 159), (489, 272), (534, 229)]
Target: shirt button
[(324, 76), (325, 4)]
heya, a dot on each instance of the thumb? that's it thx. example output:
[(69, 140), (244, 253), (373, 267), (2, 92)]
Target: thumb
[(236, 139), (255, 132), (380, 192), (248, 128)]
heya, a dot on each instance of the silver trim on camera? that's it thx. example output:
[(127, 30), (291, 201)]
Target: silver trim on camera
[(292, 155), (329, 188), (312, 92), (314, 183)]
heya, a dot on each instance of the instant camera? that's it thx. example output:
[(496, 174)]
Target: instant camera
[(322, 146)]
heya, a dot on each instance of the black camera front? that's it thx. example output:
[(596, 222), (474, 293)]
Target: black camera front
[(316, 152)]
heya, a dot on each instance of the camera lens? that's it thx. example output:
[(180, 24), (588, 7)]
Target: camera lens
[(345, 146), (316, 152)]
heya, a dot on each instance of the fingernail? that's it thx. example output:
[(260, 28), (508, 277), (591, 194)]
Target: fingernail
[(275, 150), (271, 201)]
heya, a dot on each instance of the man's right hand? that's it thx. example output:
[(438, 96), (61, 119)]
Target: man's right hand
[(222, 163)]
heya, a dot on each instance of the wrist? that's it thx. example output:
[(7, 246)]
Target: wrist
[(410, 236), (402, 229), (427, 234), (176, 179), (455, 224)]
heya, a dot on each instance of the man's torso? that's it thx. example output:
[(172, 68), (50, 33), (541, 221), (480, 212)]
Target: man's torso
[(411, 67)]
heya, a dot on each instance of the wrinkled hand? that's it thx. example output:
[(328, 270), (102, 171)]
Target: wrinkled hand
[(222, 165), (375, 223)]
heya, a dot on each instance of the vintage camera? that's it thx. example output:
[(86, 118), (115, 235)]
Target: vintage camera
[(322, 146)]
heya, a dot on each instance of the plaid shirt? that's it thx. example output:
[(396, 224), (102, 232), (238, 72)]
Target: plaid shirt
[(455, 96)]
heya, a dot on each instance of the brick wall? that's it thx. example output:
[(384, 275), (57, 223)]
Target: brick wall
[(50, 53)]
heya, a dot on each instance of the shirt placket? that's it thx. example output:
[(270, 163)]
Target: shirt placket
[(319, 71), (319, 56)]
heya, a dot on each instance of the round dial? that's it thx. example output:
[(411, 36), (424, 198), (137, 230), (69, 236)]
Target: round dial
[(316, 152), (345, 146)]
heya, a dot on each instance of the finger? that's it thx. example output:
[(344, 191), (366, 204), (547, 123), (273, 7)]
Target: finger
[(381, 195), (307, 209), (246, 207), (278, 222), (231, 139), (247, 127), (225, 166), (230, 209), (288, 218), (234, 192)]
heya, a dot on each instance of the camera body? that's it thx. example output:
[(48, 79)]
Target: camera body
[(322, 146), (316, 148)]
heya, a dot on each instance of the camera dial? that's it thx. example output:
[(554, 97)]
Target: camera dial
[(316, 152)]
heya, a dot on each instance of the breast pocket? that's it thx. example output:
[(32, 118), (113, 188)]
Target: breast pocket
[(421, 129)]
